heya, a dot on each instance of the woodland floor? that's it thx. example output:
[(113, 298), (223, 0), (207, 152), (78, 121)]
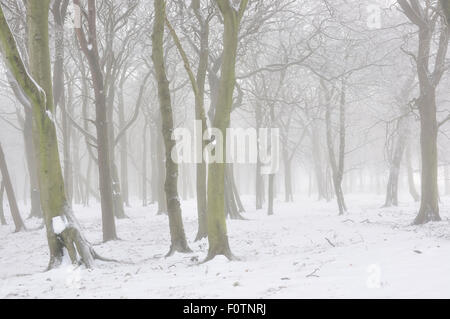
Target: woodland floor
[(303, 251)]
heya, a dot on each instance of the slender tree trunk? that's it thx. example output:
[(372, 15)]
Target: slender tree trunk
[(68, 170), (270, 194), (318, 166), (18, 222), (392, 186), (410, 172), (288, 196), (2, 212), (123, 151), (337, 167), (103, 143), (144, 165), (447, 179), (178, 238), (259, 180)]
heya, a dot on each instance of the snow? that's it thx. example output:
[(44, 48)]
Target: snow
[(303, 251), (50, 115), (58, 224)]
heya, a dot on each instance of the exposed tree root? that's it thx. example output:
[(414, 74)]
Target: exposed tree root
[(178, 247)]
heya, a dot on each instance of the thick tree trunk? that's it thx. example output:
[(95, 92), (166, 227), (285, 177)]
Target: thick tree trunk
[(18, 222), (62, 229), (429, 206), (178, 238), (32, 167), (161, 171), (217, 230), (119, 211)]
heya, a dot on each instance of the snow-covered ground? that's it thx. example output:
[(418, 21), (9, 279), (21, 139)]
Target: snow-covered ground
[(303, 251)]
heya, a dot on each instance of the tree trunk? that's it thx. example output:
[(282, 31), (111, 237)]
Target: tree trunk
[(144, 165), (259, 180), (178, 238), (68, 172), (217, 230), (429, 206), (270, 194), (317, 161), (32, 167), (103, 143), (18, 222), (2, 212), (288, 196), (447, 179), (392, 186), (62, 228), (161, 171), (123, 151), (337, 167), (411, 183)]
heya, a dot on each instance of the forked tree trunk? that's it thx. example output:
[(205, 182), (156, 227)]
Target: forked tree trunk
[(217, 230), (63, 233), (177, 235), (90, 50), (429, 79), (18, 222), (337, 166)]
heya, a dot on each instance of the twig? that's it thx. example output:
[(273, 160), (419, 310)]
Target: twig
[(329, 241), (313, 274)]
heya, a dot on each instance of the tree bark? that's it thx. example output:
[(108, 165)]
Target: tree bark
[(39, 92), (429, 206), (2, 212), (90, 50), (178, 238), (217, 230), (123, 150), (411, 183)]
